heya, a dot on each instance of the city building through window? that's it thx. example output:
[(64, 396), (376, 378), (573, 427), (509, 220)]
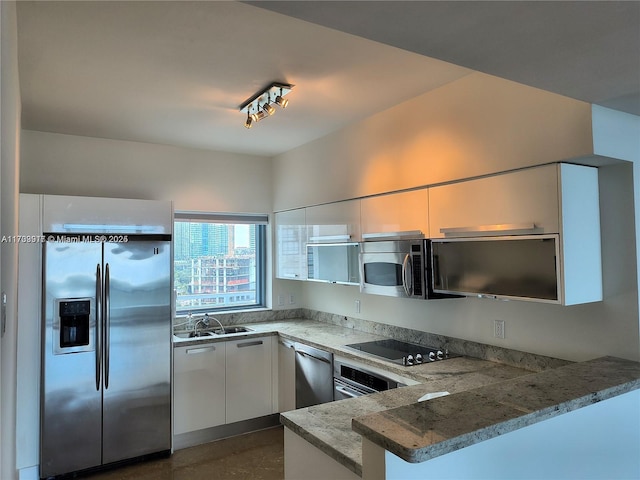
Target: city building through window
[(219, 261)]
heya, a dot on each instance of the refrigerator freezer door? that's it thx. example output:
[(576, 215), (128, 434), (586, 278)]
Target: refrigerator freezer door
[(71, 421), (137, 401)]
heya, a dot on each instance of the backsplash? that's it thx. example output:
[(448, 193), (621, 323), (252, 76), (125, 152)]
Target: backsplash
[(515, 358)]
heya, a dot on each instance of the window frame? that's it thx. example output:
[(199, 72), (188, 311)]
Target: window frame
[(260, 221)]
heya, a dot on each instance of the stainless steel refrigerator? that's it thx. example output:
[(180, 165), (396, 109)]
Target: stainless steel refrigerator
[(106, 350)]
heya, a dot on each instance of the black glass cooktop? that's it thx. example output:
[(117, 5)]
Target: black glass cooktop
[(404, 353)]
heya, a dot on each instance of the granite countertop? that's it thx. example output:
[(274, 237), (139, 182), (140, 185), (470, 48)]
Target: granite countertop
[(333, 338), (328, 426), (485, 398), (422, 431)]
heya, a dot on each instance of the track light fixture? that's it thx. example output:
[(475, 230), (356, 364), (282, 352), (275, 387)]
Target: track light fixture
[(260, 105)]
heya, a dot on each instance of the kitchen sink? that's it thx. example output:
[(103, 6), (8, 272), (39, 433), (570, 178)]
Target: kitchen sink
[(193, 334), (212, 333), (228, 330)]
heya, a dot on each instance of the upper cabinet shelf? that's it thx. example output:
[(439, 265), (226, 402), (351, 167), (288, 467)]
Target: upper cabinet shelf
[(560, 201), (334, 222), (291, 244), (522, 202), (557, 204), (404, 214)]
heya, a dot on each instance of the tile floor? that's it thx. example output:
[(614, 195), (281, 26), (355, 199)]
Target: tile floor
[(256, 456)]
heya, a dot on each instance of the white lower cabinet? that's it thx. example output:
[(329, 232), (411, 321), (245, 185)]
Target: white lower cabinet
[(249, 378), (224, 382), (199, 387), (286, 376)]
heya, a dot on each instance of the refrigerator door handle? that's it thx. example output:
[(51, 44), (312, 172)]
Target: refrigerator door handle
[(98, 310), (107, 322)]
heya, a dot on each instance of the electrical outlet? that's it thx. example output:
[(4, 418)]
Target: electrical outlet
[(357, 306), (292, 299), (498, 328), (280, 300)]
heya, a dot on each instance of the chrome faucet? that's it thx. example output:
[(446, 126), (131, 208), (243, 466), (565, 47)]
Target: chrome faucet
[(206, 318), (204, 321)]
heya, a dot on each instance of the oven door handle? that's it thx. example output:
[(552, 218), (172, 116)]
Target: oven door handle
[(348, 390)]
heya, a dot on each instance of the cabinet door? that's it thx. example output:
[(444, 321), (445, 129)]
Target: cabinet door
[(291, 240), (396, 214), (334, 222), (249, 378), (286, 376), (497, 205), (199, 387)]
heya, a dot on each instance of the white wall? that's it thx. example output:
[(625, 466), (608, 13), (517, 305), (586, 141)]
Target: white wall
[(194, 179), (617, 134), (9, 180), (476, 125)]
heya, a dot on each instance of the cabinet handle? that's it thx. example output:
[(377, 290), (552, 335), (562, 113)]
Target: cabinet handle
[(249, 344), (286, 343), (290, 275), (498, 228), (305, 354), (191, 351), (412, 234), (331, 238)]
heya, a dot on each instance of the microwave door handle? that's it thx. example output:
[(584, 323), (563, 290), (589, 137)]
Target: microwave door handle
[(407, 274)]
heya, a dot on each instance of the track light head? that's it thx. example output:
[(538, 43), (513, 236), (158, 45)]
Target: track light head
[(268, 108), (282, 102), (261, 104), (259, 115)]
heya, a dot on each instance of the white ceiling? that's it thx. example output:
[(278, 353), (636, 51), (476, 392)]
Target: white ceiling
[(176, 72)]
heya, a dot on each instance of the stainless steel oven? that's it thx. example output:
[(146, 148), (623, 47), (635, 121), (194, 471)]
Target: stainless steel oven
[(350, 381)]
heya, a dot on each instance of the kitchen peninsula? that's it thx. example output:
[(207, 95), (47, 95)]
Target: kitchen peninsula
[(487, 399)]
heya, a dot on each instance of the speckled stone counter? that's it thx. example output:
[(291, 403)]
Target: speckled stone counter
[(328, 426), (425, 430)]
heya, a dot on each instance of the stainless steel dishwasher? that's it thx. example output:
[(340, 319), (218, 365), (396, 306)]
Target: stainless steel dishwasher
[(314, 376)]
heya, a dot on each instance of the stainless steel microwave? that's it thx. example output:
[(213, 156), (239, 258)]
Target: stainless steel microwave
[(394, 268)]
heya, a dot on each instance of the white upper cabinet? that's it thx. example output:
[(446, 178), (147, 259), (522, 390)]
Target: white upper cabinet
[(291, 241), (395, 215), (67, 214), (524, 201), (334, 222), (557, 205)]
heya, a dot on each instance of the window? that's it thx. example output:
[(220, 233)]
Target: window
[(219, 261)]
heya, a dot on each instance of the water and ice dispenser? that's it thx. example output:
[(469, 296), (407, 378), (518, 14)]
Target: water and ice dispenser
[(76, 324)]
